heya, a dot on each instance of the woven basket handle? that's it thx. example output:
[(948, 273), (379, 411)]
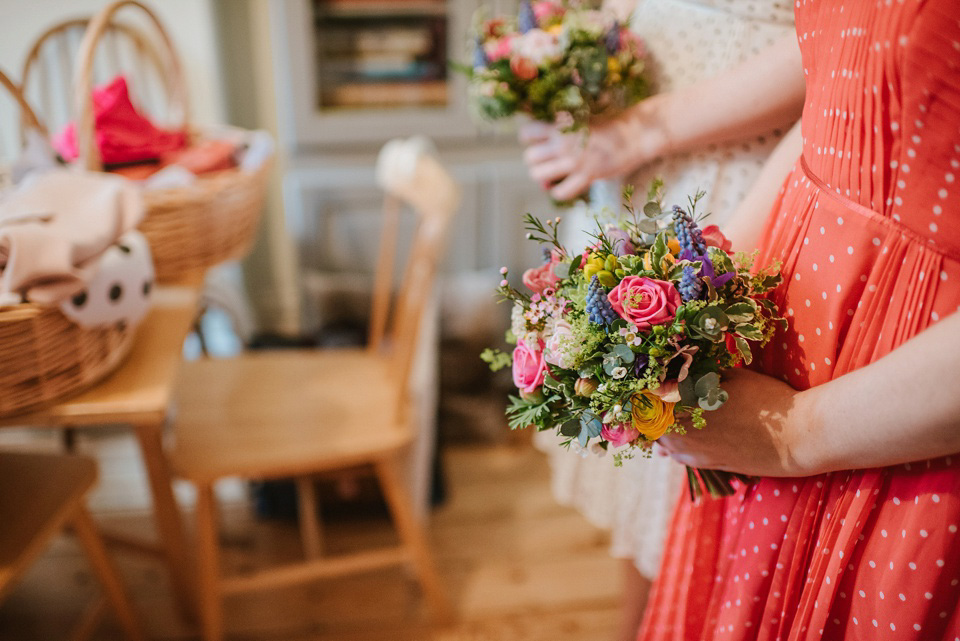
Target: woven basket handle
[(27, 115), (83, 79)]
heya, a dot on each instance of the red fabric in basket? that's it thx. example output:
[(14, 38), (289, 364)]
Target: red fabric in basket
[(122, 134)]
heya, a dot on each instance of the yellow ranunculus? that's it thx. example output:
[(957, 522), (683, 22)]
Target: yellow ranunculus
[(653, 417), (594, 265), (673, 246), (556, 29), (613, 65)]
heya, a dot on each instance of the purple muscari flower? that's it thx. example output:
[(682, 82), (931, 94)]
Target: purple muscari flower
[(640, 364), (620, 241), (599, 310), (688, 233), (526, 19), (480, 59), (612, 39), (690, 286)]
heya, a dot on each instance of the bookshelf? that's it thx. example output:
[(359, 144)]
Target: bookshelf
[(381, 53), (364, 71)]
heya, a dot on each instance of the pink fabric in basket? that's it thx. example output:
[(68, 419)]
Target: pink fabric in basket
[(55, 226)]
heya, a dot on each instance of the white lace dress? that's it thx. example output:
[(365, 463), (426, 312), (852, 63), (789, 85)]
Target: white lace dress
[(689, 40)]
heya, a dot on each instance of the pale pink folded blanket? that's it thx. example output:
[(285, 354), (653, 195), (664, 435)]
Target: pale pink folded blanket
[(53, 228)]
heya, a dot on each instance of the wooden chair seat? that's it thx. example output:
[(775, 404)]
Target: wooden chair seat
[(284, 413), (40, 494), (37, 495)]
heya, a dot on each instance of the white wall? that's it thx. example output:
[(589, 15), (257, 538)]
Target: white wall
[(190, 23)]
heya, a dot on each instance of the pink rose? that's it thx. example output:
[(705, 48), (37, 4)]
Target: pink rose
[(619, 434), (529, 368), (523, 68), (546, 10), (498, 49), (713, 237), (558, 346), (540, 278), (630, 41), (538, 46), (644, 301)]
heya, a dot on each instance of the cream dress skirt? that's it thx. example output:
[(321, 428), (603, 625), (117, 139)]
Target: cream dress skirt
[(689, 41)]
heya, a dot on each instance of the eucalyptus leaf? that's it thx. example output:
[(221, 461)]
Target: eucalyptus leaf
[(652, 209), (706, 384), (715, 402), (624, 353), (688, 395), (711, 322), (583, 437), (571, 428), (648, 226), (591, 423)]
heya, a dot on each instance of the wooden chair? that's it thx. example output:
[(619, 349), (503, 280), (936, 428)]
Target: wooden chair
[(39, 495), (271, 415), (47, 78), (10, 142)]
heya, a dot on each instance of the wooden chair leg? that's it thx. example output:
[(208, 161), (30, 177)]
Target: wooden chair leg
[(413, 537), (166, 515), (208, 571), (69, 437), (310, 531), (113, 588), (85, 629)]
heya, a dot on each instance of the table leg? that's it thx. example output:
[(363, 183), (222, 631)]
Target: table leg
[(167, 516)]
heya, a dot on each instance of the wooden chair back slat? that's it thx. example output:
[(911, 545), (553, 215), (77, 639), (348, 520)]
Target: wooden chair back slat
[(383, 277), (51, 64), (10, 142), (431, 193), (84, 80)]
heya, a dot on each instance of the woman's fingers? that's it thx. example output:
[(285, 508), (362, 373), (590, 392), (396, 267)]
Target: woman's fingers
[(553, 170), (533, 132), (683, 451), (540, 152), (572, 186)]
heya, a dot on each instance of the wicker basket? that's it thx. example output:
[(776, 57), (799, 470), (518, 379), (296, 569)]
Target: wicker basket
[(45, 355), (189, 229)]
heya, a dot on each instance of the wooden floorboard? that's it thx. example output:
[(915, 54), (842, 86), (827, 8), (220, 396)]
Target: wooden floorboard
[(517, 566)]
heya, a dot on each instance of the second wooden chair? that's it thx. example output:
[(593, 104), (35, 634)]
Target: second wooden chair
[(272, 415)]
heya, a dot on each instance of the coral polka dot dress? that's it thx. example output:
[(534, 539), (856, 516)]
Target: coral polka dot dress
[(868, 229)]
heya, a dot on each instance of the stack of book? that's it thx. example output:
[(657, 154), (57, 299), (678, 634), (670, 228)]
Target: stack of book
[(381, 52)]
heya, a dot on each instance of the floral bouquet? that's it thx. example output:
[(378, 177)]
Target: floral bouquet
[(558, 62), (619, 344)]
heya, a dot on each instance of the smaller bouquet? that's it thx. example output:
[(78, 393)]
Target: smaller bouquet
[(617, 345), (556, 62)]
